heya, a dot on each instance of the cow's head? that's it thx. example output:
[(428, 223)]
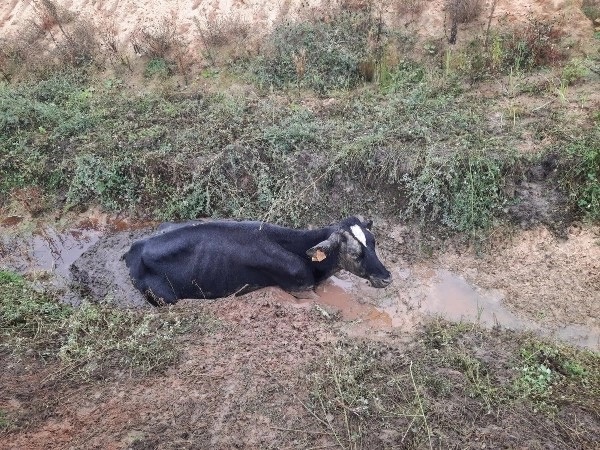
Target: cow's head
[(352, 245)]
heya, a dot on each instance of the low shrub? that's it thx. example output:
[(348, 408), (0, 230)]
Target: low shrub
[(92, 339), (582, 174), (464, 192), (321, 55)]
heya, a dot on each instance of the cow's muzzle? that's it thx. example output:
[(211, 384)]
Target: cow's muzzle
[(380, 282)]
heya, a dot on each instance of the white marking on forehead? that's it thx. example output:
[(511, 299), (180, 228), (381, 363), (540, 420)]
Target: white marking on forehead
[(359, 234)]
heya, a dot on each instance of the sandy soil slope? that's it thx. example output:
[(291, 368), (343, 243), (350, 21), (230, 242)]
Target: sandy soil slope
[(426, 18)]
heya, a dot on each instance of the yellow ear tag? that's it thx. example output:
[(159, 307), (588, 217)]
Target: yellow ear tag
[(319, 256)]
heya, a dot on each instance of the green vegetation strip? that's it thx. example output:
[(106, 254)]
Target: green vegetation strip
[(91, 339), (346, 116), (457, 378)]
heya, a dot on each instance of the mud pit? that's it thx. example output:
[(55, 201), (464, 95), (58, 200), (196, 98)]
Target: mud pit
[(536, 282)]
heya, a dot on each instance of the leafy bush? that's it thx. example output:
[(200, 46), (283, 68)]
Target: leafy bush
[(104, 180), (582, 174), (320, 55), (464, 192), (537, 44)]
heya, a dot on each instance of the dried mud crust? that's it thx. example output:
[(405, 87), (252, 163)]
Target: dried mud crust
[(538, 200)]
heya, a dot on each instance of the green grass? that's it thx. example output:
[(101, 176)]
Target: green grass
[(454, 379), (582, 174), (90, 340), (415, 141)]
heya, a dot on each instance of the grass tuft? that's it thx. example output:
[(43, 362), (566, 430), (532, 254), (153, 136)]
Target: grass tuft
[(91, 340)]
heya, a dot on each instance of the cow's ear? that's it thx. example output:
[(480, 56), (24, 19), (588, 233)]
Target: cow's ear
[(323, 249), (364, 222)]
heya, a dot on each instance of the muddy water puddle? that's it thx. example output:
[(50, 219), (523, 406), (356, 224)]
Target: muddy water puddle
[(48, 250), (434, 293), (54, 252), (416, 294)]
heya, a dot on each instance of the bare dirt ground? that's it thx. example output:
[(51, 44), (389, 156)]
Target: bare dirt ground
[(122, 19)]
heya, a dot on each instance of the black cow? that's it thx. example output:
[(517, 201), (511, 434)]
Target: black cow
[(217, 259)]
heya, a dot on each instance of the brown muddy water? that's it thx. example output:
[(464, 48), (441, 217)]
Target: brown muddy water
[(435, 293), (418, 293)]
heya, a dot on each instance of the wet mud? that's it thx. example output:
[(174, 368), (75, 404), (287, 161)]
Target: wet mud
[(85, 261), (437, 293)]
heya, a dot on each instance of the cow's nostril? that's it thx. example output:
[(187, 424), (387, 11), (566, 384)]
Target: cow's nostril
[(380, 282)]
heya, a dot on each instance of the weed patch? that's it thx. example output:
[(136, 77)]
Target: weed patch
[(92, 340), (322, 56), (535, 45), (358, 393), (591, 8), (582, 174), (550, 374), (456, 379), (4, 421), (464, 193)]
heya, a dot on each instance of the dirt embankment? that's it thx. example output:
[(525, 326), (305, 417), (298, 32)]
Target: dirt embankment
[(122, 19)]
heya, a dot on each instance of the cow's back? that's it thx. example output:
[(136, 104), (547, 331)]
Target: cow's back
[(217, 259)]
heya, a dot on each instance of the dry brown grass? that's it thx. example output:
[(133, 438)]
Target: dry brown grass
[(463, 11), (404, 7)]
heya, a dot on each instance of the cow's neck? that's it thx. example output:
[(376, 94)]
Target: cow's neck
[(299, 241)]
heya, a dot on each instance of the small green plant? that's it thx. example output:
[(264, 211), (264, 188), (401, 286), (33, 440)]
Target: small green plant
[(535, 381), (479, 378), (440, 334), (4, 421), (158, 67), (166, 51), (582, 177), (537, 44), (399, 77), (573, 71), (546, 368)]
